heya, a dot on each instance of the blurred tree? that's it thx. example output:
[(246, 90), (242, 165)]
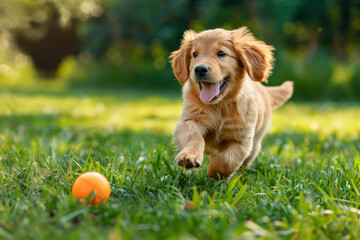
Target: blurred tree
[(50, 44), (130, 23), (293, 24), (328, 23), (44, 29), (296, 24), (133, 39)]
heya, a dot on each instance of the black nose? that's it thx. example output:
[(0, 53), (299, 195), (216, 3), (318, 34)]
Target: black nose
[(201, 71)]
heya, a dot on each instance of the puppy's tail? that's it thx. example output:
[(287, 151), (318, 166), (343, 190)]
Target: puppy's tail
[(280, 94)]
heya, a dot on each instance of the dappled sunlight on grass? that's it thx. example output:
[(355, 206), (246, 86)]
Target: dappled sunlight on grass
[(159, 114), (320, 118), (137, 113)]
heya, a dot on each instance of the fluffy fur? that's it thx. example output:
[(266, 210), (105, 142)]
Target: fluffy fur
[(230, 127)]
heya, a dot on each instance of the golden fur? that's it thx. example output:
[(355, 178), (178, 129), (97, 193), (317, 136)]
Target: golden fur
[(230, 127)]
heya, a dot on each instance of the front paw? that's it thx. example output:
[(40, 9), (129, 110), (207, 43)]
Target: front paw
[(189, 159)]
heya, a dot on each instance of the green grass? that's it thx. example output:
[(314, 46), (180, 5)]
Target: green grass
[(305, 183)]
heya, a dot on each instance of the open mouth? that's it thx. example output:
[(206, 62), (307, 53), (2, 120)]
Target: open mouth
[(211, 91)]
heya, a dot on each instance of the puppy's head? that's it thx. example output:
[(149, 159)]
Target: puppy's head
[(214, 62)]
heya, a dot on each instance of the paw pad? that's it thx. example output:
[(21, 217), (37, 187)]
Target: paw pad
[(189, 164)]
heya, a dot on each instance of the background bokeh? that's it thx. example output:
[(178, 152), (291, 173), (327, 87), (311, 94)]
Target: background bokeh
[(125, 44), (86, 85)]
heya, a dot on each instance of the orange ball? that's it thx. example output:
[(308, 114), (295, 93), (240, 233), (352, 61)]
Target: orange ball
[(88, 183)]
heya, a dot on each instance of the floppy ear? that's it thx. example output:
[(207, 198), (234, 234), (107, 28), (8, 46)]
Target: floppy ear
[(256, 56), (180, 59)]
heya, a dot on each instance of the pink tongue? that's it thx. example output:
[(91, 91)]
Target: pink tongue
[(208, 91)]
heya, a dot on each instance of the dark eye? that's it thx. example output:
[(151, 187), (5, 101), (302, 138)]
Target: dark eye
[(195, 54), (221, 54)]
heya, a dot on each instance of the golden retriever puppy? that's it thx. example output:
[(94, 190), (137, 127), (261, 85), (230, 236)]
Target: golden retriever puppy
[(226, 109)]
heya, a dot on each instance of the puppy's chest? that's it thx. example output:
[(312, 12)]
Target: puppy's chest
[(225, 128)]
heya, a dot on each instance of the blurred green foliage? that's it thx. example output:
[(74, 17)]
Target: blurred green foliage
[(127, 43)]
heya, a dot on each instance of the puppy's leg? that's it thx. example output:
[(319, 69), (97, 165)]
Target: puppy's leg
[(257, 142), (229, 160), (254, 152), (190, 143)]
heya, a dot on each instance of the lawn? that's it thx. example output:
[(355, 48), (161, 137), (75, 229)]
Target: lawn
[(304, 184)]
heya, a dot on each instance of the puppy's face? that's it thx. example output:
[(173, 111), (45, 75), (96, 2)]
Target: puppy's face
[(213, 65), (214, 62)]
